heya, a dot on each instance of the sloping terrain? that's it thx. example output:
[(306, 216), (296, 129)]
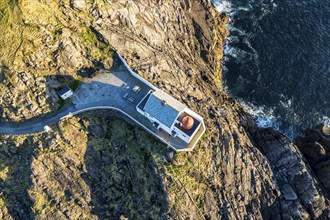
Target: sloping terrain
[(97, 165)]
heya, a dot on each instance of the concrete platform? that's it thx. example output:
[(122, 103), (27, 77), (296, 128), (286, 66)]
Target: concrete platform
[(109, 90), (106, 91)]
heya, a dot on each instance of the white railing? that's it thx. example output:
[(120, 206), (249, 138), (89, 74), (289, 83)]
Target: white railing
[(136, 75), (130, 117)]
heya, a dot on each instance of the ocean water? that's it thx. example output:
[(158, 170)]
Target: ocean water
[(277, 60)]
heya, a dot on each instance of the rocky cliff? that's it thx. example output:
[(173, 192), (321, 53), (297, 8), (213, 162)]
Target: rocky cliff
[(315, 145), (97, 165)]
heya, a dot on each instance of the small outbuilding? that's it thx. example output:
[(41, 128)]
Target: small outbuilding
[(65, 93)]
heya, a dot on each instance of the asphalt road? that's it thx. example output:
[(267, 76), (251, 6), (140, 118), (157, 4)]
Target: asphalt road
[(37, 124), (104, 91)]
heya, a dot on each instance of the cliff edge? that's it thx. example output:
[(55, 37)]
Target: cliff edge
[(98, 166)]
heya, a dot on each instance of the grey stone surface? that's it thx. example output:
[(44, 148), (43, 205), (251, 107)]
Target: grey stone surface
[(315, 145), (177, 45), (301, 196)]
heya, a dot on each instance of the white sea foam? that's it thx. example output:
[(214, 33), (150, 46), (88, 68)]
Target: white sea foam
[(232, 39), (326, 121), (223, 6), (234, 52), (266, 8), (255, 52), (265, 118), (231, 51), (227, 7), (232, 29), (274, 4)]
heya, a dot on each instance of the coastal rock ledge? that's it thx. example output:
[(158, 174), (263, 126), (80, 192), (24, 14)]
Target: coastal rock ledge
[(315, 145), (96, 166)]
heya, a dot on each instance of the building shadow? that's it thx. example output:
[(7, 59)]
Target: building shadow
[(16, 155), (15, 172), (121, 171)]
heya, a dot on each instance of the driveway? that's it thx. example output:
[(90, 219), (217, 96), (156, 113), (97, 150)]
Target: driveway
[(105, 91), (36, 124)]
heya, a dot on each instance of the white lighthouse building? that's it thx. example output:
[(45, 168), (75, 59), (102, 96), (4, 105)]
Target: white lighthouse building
[(168, 114)]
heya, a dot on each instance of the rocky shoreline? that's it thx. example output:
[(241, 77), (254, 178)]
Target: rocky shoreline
[(315, 146), (96, 166)]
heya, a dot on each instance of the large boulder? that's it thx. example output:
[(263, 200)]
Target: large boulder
[(315, 145)]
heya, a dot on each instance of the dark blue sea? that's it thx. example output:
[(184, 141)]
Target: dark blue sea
[(277, 60)]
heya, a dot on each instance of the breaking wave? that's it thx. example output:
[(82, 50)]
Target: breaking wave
[(326, 121), (265, 118), (271, 59)]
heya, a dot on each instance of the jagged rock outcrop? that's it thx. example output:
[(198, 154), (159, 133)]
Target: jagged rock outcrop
[(301, 195), (246, 180), (22, 96), (238, 171), (315, 145)]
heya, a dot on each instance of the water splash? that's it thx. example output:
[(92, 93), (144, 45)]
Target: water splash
[(234, 52), (229, 8), (265, 118), (326, 121), (223, 6)]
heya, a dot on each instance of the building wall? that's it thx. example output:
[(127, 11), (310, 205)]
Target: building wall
[(135, 74), (194, 115), (161, 125), (180, 133), (185, 137)]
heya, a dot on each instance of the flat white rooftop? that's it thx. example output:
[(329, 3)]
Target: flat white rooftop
[(106, 91), (109, 90)]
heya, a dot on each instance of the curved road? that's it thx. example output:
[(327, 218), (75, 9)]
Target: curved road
[(105, 91), (37, 124), (102, 92)]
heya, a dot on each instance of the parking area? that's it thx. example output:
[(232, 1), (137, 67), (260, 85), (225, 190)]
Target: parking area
[(123, 91), (118, 89)]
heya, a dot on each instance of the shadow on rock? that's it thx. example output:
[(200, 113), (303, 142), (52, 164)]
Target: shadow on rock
[(298, 195), (121, 170), (315, 145), (91, 71), (54, 84), (15, 172)]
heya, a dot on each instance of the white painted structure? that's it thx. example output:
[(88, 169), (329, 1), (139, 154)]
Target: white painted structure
[(65, 93), (135, 74), (47, 128), (165, 112)]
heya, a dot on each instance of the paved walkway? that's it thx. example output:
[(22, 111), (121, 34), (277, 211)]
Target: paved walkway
[(105, 91)]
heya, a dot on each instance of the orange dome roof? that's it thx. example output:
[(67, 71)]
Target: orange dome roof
[(187, 122)]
